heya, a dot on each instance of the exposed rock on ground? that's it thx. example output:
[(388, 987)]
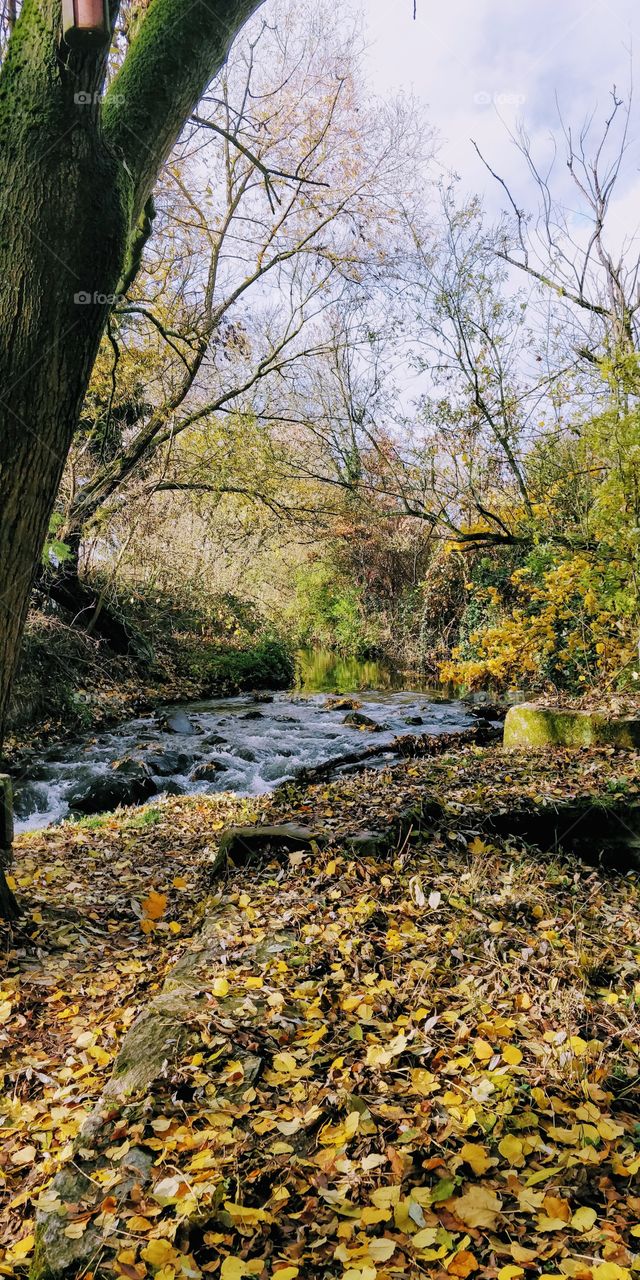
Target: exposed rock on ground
[(530, 725)]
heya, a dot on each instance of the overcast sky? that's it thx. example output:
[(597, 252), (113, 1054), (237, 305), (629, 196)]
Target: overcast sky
[(472, 61)]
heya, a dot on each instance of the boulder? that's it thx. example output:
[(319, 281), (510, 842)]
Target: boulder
[(413, 720), (529, 725), (167, 763), (244, 753), (173, 788), (488, 711), (243, 844), (179, 722), (41, 772), (30, 798), (129, 782), (359, 721)]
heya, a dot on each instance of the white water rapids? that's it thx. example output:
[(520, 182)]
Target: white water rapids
[(250, 744)]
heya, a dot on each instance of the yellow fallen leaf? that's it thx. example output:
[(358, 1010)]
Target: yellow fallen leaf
[(220, 987), (21, 1249), (583, 1219), (245, 1215), (425, 1238), (385, 1197), (370, 1216), (233, 1269), (482, 1049), (379, 1055), (476, 1157), (511, 1148), (609, 1130), (337, 1135), (286, 1063), (99, 1055), (557, 1207), (509, 1272), (179, 882), (286, 1273), (610, 1271), (158, 1252), (512, 1055), (75, 1230), (462, 1264), (380, 1249), (520, 1254), (137, 1223)]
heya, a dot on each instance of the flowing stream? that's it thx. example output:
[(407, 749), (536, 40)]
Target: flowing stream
[(247, 744)]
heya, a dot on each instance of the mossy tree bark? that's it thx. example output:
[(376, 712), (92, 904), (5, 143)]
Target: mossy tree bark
[(75, 174)]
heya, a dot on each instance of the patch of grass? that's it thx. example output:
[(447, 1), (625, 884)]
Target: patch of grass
[(149, 817)]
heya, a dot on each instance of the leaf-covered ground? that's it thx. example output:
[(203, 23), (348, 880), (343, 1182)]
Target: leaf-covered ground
[(433, 1072)]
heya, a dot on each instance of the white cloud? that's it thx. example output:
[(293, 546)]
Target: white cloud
[(474, 61)]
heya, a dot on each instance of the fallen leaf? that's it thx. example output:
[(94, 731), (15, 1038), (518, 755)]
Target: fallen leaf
[(155, 905), (583, 1219), (478, 1207)]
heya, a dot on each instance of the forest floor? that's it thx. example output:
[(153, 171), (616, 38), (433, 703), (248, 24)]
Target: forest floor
[(420, 1063)]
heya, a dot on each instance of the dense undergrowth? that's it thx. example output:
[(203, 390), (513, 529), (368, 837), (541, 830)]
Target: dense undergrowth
[(420, 1063)]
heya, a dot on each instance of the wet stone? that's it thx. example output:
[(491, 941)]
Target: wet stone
[(203, 772), (180, 722), (360, 721)]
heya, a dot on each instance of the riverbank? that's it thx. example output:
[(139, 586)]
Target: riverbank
[(70, 683), (423, 1059)]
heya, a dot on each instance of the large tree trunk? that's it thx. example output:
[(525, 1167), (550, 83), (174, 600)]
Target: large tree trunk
[(64, 224), (74, 179)]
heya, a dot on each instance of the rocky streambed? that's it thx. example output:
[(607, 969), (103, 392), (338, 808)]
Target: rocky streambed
[(246, 744)]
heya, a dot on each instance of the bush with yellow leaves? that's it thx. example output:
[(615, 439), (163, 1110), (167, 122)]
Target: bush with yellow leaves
[(570, 624)]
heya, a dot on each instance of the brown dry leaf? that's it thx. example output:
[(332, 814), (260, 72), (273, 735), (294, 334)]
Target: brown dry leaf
[(478, 1207)]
